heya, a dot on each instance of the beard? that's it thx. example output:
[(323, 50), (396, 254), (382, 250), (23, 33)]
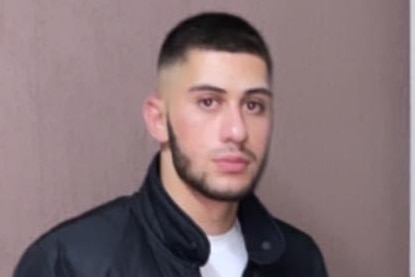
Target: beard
[(199, 182)]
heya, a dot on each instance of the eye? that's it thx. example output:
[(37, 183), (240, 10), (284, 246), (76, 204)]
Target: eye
[(255, 107), (208, 103)]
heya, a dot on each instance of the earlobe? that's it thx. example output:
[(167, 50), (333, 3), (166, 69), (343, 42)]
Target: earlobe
[(154, 117)]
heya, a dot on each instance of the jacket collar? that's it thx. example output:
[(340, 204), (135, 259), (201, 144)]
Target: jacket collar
[(179, 233)]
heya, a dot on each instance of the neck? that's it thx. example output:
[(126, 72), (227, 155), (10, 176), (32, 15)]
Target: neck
[(212, 216)]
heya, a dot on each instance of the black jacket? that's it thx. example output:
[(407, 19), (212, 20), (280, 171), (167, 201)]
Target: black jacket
[(147, 235)]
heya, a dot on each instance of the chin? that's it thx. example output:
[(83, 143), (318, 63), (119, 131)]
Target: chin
[(228, 191), (227, 196)]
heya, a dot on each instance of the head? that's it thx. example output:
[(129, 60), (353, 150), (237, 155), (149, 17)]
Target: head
[(213, 31), (213, 109)]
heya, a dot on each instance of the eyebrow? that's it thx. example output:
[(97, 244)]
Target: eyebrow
[(205, 87)]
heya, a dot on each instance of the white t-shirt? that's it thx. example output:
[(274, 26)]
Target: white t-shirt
[(228, 256)]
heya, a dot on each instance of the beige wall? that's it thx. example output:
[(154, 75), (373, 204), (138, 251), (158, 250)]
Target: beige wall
[(73, 75)]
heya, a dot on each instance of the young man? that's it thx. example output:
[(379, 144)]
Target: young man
[(195, 214)]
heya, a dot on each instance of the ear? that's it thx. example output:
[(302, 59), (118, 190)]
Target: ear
[(154, 114)]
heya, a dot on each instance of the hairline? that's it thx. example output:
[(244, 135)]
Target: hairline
[(184, 56)]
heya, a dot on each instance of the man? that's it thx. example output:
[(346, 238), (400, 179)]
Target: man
[(195, 214)]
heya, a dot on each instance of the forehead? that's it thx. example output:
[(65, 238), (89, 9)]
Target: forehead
[(230, 71)]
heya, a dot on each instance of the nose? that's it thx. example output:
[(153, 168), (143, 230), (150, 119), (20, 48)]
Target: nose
[(233, 127)]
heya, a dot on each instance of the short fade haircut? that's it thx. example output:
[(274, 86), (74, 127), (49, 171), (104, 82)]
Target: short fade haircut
[(213, 31)]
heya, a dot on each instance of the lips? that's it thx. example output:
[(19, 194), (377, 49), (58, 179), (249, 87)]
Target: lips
[(231, 164)]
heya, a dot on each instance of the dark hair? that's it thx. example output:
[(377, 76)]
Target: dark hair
[(213, 31)]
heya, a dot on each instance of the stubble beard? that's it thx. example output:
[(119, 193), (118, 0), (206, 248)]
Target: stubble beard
[(199, 183)]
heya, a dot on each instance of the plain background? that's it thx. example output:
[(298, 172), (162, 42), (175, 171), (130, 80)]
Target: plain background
[(73, 75)]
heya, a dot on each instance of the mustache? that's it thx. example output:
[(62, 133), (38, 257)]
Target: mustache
[(235, 150)]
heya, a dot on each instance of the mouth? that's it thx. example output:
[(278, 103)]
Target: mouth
[(231, 164)]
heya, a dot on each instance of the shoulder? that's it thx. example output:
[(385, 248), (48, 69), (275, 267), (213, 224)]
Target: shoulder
[(100, 223), (300, 248), (294, 237), (90, 237)]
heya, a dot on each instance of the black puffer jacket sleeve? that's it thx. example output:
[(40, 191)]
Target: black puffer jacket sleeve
[(35, 263)]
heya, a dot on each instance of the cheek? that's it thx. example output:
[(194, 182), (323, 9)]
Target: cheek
[(259, 134), (192, 132)]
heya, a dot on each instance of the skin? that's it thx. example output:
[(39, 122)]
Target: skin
[(216, 108)]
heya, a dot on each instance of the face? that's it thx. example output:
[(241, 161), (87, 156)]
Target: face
[(218, 109)]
